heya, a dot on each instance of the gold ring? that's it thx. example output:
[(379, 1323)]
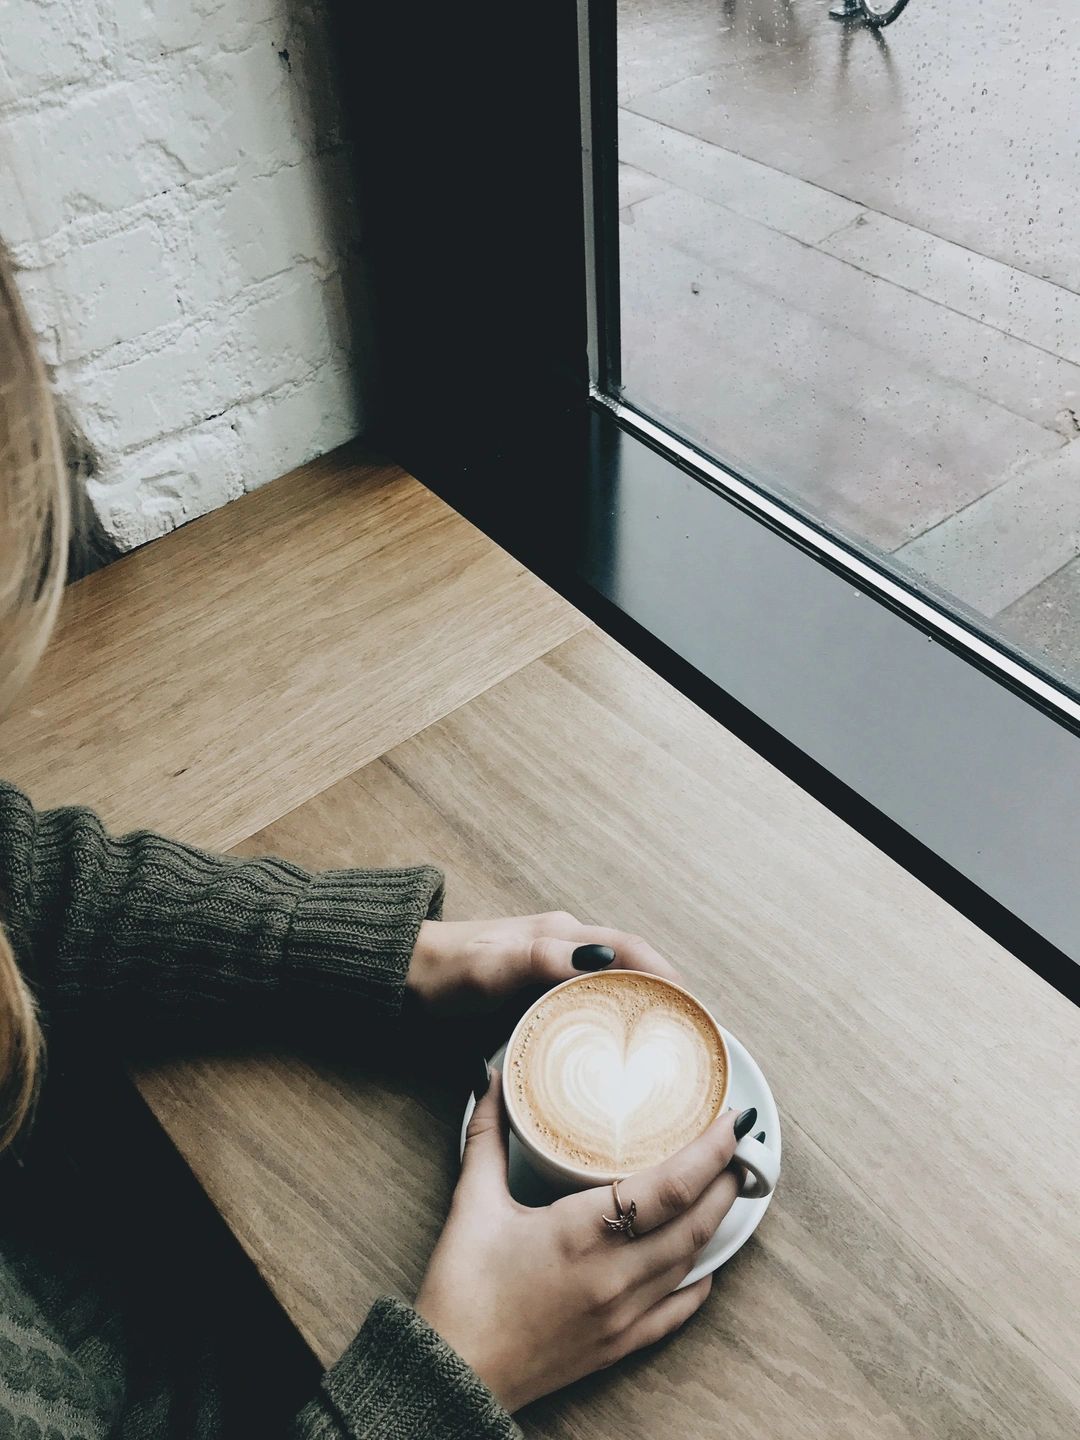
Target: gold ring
[(622, 1222)]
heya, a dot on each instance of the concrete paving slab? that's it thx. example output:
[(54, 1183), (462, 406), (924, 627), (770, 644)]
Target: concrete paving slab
[(962, 279), (1046, 621), (635, 184), (851, 303), (759, 192), (871, 442), (1004, 544), (968, 127)]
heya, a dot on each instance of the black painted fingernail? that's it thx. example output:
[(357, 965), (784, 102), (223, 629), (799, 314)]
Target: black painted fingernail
[(744, 1122), (592, 957), (760, 1135), (481, 1078)]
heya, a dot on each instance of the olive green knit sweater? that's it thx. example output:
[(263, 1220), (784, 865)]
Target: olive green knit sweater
[(136, 939)]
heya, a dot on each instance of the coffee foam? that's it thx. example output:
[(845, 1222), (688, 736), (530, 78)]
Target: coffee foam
[(616, 1072)]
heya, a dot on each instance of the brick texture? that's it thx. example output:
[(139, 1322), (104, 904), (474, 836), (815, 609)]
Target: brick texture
[(177, 201)]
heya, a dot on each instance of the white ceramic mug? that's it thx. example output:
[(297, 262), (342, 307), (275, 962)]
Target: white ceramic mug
[(761, 1164)]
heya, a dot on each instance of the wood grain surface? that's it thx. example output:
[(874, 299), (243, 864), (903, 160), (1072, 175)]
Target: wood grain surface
[(918, 1274), (215, 679)]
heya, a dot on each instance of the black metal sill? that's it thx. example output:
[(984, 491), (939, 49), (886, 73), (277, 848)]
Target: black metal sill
[(964, 782)]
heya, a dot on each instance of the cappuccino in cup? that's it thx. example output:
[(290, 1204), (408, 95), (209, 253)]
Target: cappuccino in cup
[(611, 1073)]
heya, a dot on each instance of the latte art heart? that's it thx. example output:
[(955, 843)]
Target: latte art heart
[(616, 1072)]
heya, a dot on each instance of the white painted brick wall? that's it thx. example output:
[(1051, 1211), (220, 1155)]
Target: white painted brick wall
[(174, 189)]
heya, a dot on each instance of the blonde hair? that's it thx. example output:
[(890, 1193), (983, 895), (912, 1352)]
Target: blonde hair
[(34, 534)]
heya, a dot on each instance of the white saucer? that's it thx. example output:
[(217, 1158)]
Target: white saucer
[(748, 1087)]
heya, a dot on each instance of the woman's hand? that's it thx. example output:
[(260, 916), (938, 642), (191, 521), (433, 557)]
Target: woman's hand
[(533, 1299), (463, 966)]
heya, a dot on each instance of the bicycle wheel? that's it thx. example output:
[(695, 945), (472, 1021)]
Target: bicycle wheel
[(882, 12)]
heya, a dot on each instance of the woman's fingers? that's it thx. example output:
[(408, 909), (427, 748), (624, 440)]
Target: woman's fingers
[(666, 1316), (670, 1251), (553, 955), (485, 1162), (632, 952), (667, 1191)]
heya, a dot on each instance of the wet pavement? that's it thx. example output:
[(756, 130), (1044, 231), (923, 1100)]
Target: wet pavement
[(850, 268)]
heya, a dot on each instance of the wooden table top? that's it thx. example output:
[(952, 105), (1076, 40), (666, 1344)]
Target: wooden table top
[(918, 1273)]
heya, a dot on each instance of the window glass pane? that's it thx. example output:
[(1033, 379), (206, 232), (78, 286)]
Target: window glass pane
[(849, 269)]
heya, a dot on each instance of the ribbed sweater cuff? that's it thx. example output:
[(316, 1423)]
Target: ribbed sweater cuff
[(353, 932), (399, 1380)]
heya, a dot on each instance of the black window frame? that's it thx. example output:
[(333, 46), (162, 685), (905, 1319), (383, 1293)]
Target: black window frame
[(490, 268)]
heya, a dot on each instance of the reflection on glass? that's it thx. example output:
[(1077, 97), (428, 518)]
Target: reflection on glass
[(850, 270)]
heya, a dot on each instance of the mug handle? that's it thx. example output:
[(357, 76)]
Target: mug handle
[(762, 1167)]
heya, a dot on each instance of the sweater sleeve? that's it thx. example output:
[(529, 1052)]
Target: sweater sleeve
[(147, 937), (399, 1380)]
